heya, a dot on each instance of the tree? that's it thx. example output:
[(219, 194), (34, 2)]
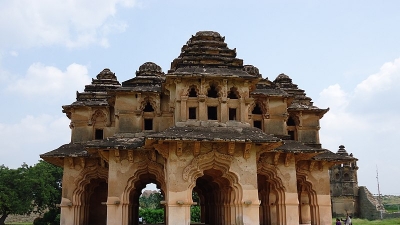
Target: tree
[(46, 181), (15, 192), (29, 189)]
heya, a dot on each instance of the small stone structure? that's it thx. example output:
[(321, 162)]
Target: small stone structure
[(347, 196), (248, 146)]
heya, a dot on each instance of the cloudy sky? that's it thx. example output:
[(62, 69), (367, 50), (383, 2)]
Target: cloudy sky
[(344, 54)]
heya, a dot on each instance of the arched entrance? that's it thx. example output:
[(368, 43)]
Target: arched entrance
[(90, 197), (147, 172), (135, 194), (307, 201), (271, 194), (218, 197), (97, 191)]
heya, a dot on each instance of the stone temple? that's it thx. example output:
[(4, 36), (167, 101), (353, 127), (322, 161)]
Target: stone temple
[(247, 145)]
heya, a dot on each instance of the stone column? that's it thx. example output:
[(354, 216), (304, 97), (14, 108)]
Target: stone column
[(224, 113), (183, 108), (178, 208), (120, 170)]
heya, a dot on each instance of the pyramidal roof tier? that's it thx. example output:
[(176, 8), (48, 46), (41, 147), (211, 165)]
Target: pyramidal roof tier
[(206, 53), (95, 94), (106, 80), (301, 100), (149, 78)]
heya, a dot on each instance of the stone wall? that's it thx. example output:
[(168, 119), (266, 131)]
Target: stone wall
[(369, 205), (21, 218), (391, 215)]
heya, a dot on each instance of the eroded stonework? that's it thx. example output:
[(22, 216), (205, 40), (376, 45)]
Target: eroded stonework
[(248, 146)]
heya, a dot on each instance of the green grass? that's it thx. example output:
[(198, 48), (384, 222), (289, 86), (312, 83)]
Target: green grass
[(368, 222), (18, 223)]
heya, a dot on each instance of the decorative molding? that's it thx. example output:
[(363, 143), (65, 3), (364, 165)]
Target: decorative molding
[(210, 156), (179, 148), (276, 158), (130, 156), (196, 150), (117, 156), (247, 147), (82, 160), (163, 149), (71, 162), (231, 148)]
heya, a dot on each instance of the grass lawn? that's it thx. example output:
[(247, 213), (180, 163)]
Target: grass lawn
[(368, 222)]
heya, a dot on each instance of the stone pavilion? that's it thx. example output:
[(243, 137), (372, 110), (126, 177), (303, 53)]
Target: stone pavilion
[(247, 145)]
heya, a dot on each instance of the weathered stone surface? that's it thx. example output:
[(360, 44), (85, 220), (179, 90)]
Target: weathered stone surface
[(249, 147)]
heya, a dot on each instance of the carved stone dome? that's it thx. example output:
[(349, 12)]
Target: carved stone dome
[(149, 69), (106, 74), (207, 49), (283, 78), (252, 70)]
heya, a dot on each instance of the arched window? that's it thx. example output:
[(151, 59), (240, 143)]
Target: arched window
[(192, 92), (233, 93), (148, 107), (257, 109), (290, 122), (212, 92)]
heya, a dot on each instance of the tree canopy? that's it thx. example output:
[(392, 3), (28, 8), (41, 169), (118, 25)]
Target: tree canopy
[(29, 189)]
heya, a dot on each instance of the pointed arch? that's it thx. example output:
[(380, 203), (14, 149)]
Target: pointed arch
[(148, 105), (271, 191), (213, 90), (233, 93), (308, 204), (258, 107), (192, 91)]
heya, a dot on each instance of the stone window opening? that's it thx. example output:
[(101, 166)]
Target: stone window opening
[(292, 135), (212, 112), (290, 122), (257, 124), (148, 108), (192, 113), (148, 124), (291, 126), (212, 92), (232, 113), (233, 93), (257, 110), (192, 92), (98, 134)]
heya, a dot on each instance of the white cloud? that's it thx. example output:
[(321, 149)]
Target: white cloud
[(45, 81), (39, 134), (71, 23), (365, 120), (14, 53), (387, 77)]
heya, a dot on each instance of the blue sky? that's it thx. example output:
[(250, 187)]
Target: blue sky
[(344, 54)]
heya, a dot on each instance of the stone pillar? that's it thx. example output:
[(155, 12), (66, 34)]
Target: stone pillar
[(120, 170), (202, 108), (184, 109), (251, 207), (178, 208), (71, 212), (224, 110)]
